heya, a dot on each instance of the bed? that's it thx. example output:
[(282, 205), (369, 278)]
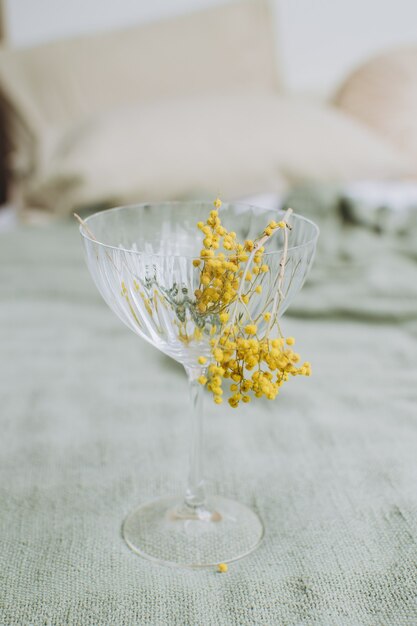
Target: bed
[(93, 422)]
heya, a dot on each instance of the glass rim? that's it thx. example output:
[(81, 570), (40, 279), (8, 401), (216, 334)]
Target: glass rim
[(209, 203)]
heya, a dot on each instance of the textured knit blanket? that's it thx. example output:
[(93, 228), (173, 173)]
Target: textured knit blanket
[(93, 422)]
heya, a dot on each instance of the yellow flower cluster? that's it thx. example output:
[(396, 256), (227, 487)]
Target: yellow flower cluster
[(219, 278), (222, 271), (256, 365)]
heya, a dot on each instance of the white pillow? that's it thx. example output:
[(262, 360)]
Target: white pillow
[(54, 85), (229, 144)]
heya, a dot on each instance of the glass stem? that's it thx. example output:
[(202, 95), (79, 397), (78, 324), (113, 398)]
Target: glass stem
[(195, 493)]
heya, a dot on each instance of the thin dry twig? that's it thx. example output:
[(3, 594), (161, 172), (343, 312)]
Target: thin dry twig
[(258, 244), (279, 296), (84, 225)]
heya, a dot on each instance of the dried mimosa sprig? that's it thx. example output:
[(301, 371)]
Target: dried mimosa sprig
[(279, 296), (233, 281), (230, 282), (258, 245)]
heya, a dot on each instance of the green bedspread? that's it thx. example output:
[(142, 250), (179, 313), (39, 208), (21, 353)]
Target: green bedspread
[(93, 423)]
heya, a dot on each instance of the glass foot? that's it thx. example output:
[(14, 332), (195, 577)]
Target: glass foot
[(173, 533)]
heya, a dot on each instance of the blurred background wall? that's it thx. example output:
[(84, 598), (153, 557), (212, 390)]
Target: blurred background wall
[(319, 40), (161, 80)]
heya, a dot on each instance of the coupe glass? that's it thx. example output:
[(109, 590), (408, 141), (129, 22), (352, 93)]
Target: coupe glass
[(141, 259)]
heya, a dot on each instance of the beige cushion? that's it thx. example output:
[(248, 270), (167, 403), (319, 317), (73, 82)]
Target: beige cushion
[(229, 144), (383, 94), (54, 86)]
